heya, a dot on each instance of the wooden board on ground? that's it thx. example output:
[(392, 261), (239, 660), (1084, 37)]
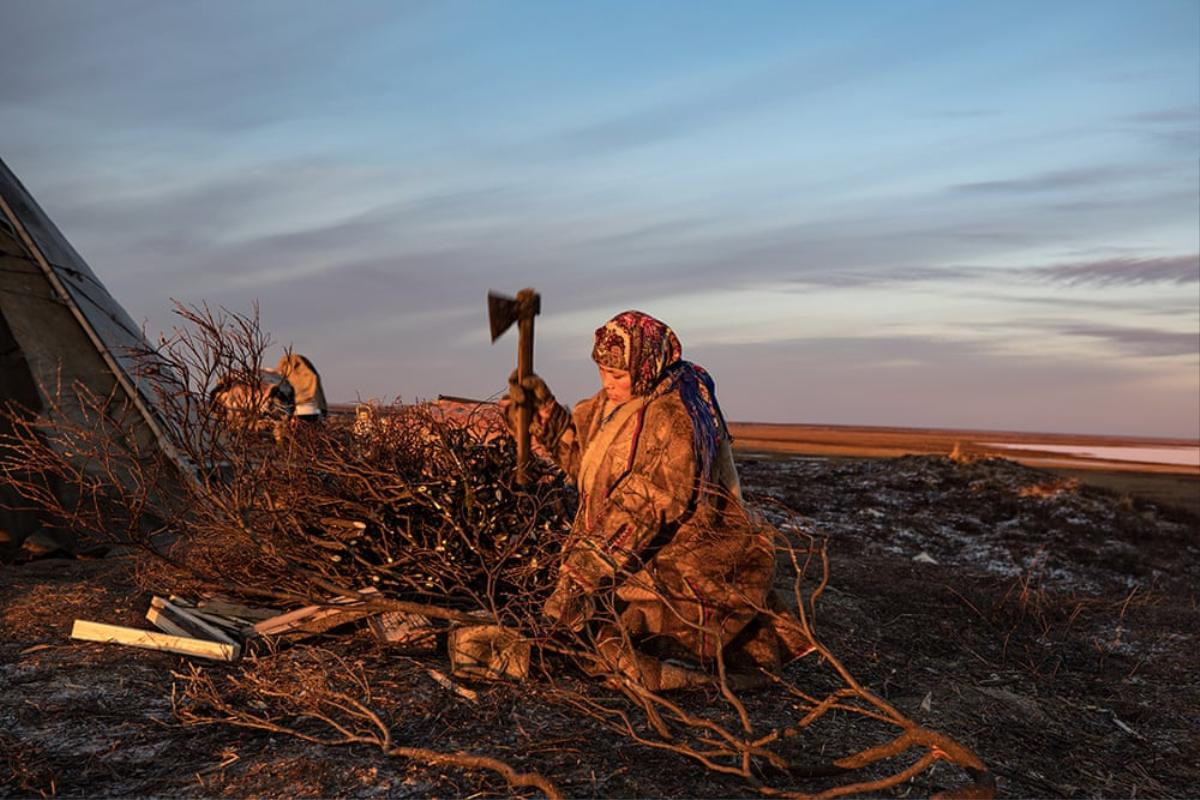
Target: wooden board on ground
[(160, 620), (312, 620), (191, 624), (228, 608), (402, 629), (234, 625), (150, 640)]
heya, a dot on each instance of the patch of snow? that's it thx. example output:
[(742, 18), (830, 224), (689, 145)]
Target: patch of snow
[(1180, 454)]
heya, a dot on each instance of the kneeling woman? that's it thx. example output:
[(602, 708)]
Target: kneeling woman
[(661, 537)]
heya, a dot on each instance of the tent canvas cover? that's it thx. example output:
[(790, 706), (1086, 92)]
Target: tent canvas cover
[(59, 327)]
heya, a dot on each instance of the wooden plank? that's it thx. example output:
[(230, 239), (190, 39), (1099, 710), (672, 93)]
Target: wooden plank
[(159, 620), (411, 631), (193, 625), (226, 622), (228, 608), (310, 620), (315, 619), (234, 624), (183, 645)]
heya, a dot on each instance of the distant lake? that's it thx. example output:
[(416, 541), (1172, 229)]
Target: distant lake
[(1188, 456)]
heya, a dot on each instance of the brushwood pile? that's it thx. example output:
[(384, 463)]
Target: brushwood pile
[(410, 504)]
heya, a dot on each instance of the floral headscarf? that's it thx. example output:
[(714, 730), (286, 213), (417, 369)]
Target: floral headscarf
[(650, 351), (638, 343)]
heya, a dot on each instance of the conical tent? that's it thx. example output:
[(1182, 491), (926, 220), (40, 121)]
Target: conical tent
[(59, 326)]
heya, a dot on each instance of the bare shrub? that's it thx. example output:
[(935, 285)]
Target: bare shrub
[(88, 471), (422, 508)]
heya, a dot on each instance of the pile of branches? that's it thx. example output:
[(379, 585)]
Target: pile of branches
[(417, 507), (421, 508)]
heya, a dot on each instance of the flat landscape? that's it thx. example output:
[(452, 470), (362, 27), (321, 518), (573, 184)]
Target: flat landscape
[(1048, 625), (1061, 449), (1158, 469)]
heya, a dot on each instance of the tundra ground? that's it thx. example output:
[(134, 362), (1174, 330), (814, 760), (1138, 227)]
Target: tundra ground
[(1048, 625)]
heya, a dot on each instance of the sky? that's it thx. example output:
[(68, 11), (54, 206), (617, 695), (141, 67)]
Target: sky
[(931, 214)]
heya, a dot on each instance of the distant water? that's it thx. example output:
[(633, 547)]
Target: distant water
[(1188, 456)]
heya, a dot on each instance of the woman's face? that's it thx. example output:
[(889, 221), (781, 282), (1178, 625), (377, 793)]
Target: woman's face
[(618, 386)]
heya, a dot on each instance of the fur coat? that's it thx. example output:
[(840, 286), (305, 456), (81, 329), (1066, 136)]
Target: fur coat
[(690, 572)]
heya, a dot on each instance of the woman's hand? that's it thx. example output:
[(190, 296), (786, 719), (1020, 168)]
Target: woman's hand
[(532, 390)]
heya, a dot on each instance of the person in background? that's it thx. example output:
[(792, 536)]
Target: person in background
[(310, 403), (661, 552), (264, 405)]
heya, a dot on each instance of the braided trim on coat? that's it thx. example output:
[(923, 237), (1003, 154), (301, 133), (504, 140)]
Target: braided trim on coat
[(619, 538)]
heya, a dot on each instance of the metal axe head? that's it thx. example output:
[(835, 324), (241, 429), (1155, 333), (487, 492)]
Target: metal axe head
[(504, 311)]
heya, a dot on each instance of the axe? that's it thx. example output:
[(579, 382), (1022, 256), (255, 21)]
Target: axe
[(502, 313)]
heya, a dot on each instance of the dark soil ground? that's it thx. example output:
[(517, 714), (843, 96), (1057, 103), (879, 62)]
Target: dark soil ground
[(1049, 627)]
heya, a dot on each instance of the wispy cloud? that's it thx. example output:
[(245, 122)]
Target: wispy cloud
[(963, 113), (1177, 127), (754, 92), (140, 63), (1168, 116), (1140, 341), (1178, 270), (667, 118), (894, 276), (1056, 180), (1155, 306), (1137, 341)]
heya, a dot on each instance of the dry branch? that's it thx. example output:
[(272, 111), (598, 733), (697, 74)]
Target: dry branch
[(334, 701), (422, 508)]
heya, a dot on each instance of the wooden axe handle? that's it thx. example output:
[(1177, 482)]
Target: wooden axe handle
[(524, 370)]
